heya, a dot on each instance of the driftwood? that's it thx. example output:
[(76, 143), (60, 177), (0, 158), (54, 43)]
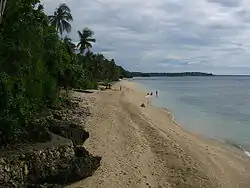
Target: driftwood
[(83, 91)]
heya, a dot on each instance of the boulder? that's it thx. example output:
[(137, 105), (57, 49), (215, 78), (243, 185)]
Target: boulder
[(69, 130), (142, 105), (50, 164), (79, 136), (44, 168)]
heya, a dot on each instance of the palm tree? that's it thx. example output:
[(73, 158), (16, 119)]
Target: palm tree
[(61, 18), (70, 46), (86, 40)]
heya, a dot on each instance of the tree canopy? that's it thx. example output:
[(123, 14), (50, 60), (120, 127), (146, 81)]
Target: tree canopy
[(86, 40), (36, 64), (61, 19)]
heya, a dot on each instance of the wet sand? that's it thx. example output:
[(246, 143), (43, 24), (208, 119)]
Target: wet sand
[(144, 147)]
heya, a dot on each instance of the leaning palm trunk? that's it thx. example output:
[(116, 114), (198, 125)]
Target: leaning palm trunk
[(2, 8)]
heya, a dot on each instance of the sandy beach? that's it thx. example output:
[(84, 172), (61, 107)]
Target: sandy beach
[(143, 147)]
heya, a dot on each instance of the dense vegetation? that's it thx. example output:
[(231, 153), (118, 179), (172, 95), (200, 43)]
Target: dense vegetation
[(36, 62), (140, 74)]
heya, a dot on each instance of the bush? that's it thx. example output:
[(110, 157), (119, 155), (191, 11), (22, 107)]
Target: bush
[(35, 63)]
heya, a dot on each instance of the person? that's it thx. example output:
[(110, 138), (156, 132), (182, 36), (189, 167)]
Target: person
[(156, 93), (151, 93)]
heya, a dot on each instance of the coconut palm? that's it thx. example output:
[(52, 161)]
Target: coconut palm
[(61, 18), (86, 40), (70, 46)]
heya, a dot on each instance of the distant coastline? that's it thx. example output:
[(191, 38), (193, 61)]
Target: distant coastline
[(178, 74)]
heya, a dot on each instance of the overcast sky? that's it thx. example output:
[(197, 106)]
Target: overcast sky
[(167, 35)]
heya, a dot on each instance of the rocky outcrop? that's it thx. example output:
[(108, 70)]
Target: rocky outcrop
[(58, 162), (69, 122), (61, 165)]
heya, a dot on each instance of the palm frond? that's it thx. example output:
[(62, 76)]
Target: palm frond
[(86, 39), (60, 28), (67, 16), (67, 39), (78, 45), (69, 45), (80, 34), (91, 40), (64, 7), (61, 19), (51, 18), (66, 26), (53, 21), (82, 48), (87, 32), (88, 45)]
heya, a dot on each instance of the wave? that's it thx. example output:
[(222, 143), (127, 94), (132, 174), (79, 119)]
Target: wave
[(229, 142), (247, 153), (238, 146), (226, 141)]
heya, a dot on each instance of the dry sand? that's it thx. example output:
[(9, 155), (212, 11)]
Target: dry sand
[(144, 147)]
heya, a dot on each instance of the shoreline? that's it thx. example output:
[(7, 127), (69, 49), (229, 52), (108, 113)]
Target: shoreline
[(220, 140), (172, 116), (175, 121), (146, 147)]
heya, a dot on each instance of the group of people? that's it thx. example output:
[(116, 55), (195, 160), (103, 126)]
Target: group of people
[(151, 94)]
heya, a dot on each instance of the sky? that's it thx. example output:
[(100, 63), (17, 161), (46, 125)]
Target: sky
[(167, 35)]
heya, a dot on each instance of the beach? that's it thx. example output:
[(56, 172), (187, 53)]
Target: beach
[(145, 147)]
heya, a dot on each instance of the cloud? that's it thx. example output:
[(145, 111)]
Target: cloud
[(167, 35), (226, 3)]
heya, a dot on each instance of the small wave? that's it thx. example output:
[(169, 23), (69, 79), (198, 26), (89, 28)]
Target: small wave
[(247, 153), (238, 147), (225, 141)]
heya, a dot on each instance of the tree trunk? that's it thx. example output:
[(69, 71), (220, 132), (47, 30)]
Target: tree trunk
[(2, 8)]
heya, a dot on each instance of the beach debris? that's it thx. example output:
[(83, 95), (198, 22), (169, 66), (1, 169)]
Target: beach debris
[(83, 91), (143, 105)]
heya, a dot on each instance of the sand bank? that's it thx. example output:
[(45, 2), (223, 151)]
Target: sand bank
[(144, 147)]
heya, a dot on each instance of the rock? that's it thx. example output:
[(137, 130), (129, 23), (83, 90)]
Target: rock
[(81, 152), (58, 115), (79, 136), (59, 165), (52, 166), (68, 129), (38, 131), (83, 167), (43, 186), (143, 105)]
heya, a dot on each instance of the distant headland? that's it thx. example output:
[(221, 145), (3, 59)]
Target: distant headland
[(178, 74)]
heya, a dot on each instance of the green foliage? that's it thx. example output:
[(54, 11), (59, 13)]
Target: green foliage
[(86, 39), (35, 64), (61, 18)]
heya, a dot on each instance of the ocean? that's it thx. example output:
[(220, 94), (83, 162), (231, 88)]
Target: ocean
[(217, 107)]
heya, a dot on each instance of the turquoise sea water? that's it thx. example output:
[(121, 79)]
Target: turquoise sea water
[(217, 107)]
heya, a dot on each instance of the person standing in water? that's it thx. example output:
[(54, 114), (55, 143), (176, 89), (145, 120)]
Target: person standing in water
[(156, 93)]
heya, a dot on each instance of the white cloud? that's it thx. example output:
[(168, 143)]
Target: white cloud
[(168, 35)]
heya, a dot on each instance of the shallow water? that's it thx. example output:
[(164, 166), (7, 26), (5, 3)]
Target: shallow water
[(218, 107)]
